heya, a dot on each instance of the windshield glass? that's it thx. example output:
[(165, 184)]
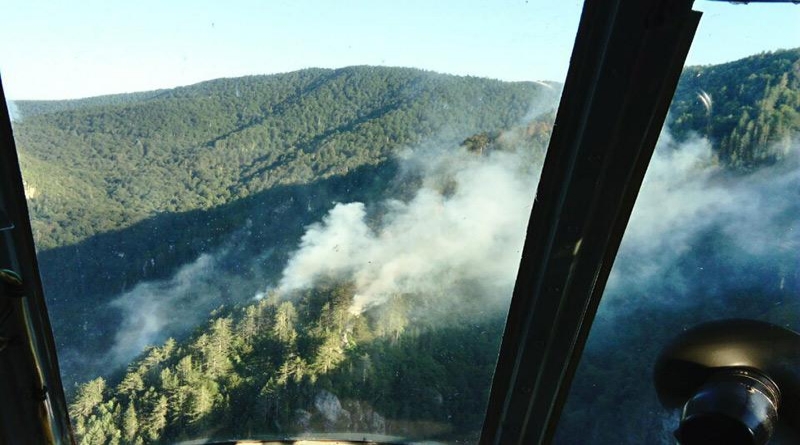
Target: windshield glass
[(316, 232), (715, 232)]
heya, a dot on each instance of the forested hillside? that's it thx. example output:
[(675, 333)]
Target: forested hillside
[(271, 226), (749, 108), (242, 164), (197, 147), (294, 366)]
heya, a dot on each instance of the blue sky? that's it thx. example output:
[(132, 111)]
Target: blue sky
[(60, 49)]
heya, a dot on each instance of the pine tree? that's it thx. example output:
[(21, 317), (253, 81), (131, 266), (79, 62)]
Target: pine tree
[(89, 395), (157, 420), (285, 319), (130, 424)]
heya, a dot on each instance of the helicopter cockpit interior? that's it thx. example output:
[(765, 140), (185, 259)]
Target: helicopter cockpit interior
[(717, 379)]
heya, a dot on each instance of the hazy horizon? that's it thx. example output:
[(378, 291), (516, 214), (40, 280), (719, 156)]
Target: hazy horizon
[(166, 88), (55, 51)]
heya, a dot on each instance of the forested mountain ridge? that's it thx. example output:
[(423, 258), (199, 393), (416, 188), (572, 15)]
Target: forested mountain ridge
[(293, 363), (29, 108), (246, 163), (750, 108), (218, 141), (215, 142)]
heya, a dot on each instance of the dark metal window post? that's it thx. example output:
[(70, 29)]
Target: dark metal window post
[(625, 65), (34, 408)]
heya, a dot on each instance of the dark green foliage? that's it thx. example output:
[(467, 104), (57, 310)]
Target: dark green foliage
[(477, 143), (29, 108), (108, 264), (106, 163), (754, 110), (249, 371)]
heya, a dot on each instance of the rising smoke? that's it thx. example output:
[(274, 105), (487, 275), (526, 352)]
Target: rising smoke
[(464, 225), (459, 236), (702, 236), (153, 310), (703, 243), (697, 234), (697, 231)]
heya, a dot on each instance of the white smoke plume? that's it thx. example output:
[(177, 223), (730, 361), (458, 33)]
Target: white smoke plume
[(152, 310), (703, 243), (458, 240), (700, 234), (466, 224), (155, 310), (462, 229), (436, 242)]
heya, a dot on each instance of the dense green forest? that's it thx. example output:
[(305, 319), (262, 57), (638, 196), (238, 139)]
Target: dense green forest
[(308, 364), (107, 164), (752, 110), (129, 188)]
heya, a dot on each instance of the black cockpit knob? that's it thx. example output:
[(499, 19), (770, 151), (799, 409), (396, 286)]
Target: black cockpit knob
[(734, 379)]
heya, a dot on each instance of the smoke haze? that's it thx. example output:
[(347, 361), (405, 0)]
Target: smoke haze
[(464, 225), (703, 243), (458, 237), (436, 241), (152, 309), (697, 235)]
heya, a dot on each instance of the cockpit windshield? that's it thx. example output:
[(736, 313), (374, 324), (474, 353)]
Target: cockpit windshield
[(715, 232), (305, 219), (316, 232)]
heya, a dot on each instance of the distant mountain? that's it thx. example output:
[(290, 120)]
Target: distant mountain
[(30, 108), (205, 145), (209, 144)]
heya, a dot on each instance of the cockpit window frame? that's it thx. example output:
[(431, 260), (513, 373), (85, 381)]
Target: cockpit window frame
[(35, 402), (625, 66)]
